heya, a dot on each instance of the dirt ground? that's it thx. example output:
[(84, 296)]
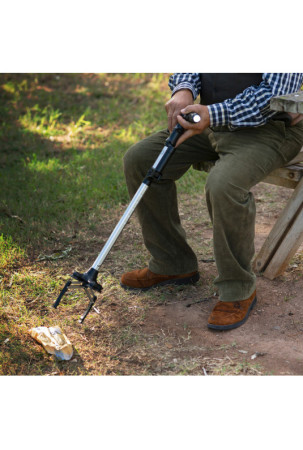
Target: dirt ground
[(269, 343)]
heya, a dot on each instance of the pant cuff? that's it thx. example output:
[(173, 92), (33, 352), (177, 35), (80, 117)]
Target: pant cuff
[(235, 291)]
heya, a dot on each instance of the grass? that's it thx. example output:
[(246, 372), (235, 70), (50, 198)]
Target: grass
[(10, 254), (63, 139)]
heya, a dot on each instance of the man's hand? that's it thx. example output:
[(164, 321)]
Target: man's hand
[(296, 117), (173, 107), (193, 128)]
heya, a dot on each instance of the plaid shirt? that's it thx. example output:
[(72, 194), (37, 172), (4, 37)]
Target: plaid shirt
[(251, 107)]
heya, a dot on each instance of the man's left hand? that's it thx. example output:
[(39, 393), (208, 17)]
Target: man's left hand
[(193, 128), (296, 117)]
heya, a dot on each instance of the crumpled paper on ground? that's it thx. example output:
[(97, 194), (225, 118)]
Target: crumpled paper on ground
[(54, 341)]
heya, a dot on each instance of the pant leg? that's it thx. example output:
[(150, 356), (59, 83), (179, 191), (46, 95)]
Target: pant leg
[(158, 213), (246, 157)]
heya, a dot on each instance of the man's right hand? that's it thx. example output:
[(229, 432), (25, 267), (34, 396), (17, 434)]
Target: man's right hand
[(180, 100)]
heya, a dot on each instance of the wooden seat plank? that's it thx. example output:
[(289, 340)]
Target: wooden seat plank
[(289, 103)]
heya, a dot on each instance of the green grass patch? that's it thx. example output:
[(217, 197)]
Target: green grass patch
[(10, 254), (63, 140)]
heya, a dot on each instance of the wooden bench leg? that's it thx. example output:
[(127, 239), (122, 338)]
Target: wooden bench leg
[(287, 249), (284, 239)]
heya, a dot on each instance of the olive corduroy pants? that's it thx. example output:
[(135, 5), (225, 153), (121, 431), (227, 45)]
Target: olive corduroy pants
[(243, 158)]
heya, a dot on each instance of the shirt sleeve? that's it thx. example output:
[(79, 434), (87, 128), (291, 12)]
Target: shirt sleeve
[(190, 81), (252, 106)]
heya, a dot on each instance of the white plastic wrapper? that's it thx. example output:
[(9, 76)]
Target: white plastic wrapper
[(54, 341)]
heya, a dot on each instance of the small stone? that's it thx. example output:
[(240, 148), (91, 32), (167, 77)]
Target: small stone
[(257, 354)]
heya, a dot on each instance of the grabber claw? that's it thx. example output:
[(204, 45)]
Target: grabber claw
[(87, 281)]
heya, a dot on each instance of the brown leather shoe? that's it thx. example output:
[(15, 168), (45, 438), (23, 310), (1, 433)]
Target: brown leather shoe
[(144, 279), (229, 315)]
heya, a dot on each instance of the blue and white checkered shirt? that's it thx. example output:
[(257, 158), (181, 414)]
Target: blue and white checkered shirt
[(251, 107)]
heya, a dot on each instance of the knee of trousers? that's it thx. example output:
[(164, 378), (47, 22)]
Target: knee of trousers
[(134, 162), (219, 188)]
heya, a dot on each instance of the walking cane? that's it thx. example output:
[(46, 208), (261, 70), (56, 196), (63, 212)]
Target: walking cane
[(88, 280)]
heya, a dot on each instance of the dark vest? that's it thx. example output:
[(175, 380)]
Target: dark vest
[(217, 87)]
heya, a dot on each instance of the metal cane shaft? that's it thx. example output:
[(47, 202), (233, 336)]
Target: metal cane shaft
[(158, 160), (158, 166), (120, 225)]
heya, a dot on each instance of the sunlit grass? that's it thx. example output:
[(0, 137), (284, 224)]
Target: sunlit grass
[(49, 165), (44, 121)]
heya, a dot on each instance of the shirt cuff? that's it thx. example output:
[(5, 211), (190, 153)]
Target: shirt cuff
[(218, 114), (185, 85)]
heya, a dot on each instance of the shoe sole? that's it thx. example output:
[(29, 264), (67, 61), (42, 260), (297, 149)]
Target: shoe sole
[(177, 282), (234, 325)]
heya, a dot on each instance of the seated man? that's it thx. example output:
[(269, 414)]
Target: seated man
[(248, 141)]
